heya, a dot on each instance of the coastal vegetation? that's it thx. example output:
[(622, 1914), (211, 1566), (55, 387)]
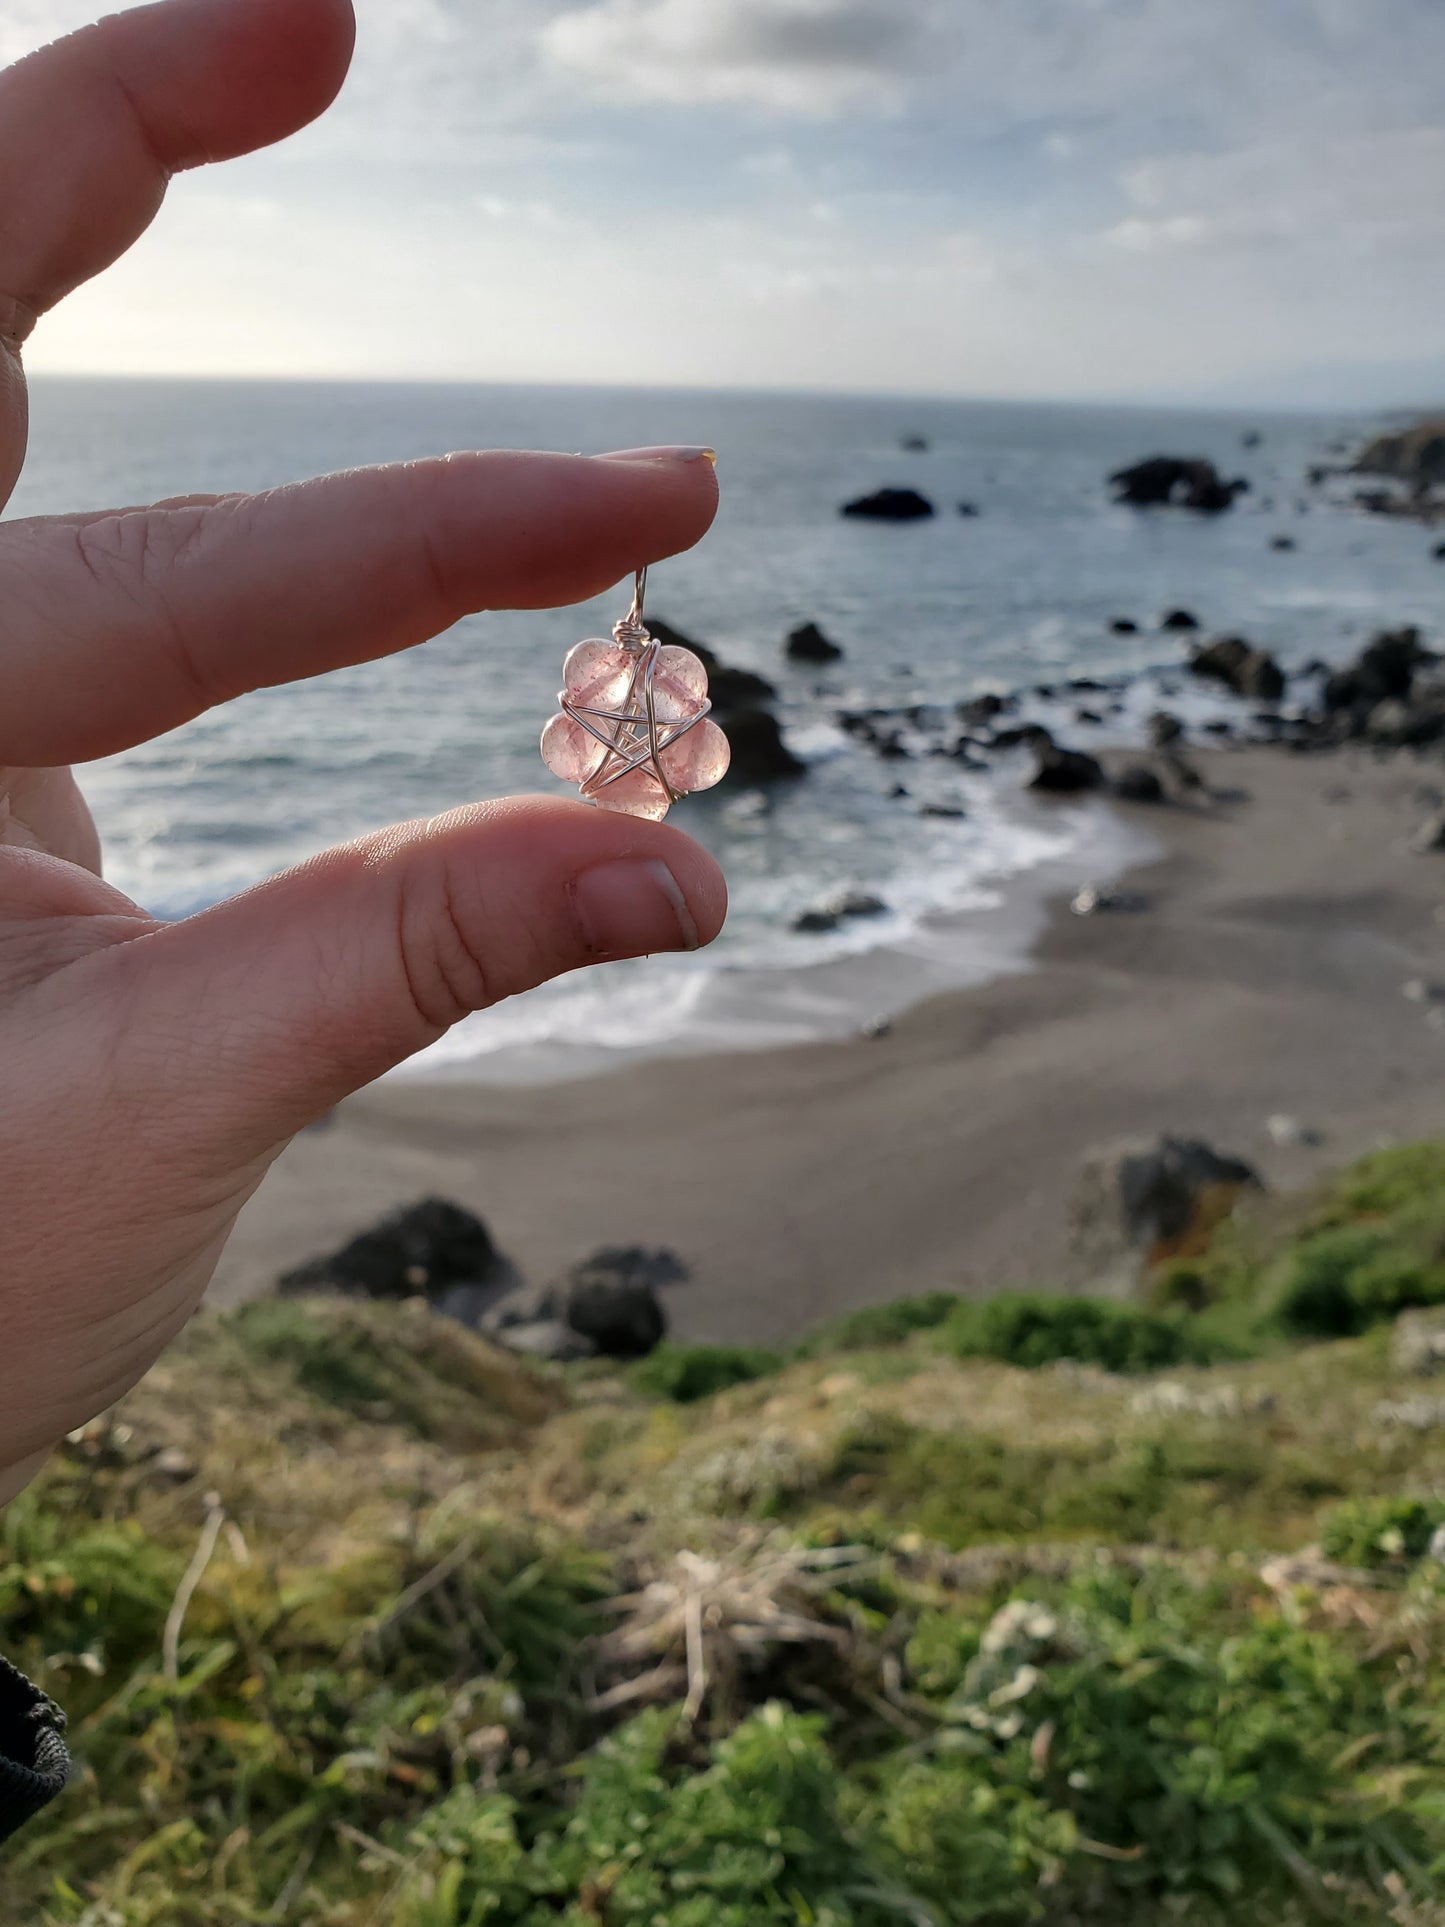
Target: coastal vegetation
[(1040, 1609)]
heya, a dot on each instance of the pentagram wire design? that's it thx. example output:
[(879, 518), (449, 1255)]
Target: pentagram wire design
[(632, 737)]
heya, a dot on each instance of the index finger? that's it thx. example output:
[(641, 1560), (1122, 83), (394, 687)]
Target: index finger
[(93, 126)]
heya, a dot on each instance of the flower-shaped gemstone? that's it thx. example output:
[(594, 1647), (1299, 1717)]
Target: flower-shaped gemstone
[(633, 732)]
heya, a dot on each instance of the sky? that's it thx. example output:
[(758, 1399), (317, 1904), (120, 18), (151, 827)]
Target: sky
[(1089, 199)]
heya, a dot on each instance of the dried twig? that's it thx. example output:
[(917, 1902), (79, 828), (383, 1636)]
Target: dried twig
[(190, 1579)]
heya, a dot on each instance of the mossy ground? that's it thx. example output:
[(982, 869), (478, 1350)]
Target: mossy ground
[(897, 1631)]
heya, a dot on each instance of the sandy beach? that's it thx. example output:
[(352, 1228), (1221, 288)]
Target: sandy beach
[(1267, 976)]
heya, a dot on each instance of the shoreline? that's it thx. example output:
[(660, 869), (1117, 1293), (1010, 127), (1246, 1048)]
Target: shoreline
[(1266, 978)]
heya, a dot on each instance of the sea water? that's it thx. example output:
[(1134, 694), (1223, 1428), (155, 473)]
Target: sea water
[(1023, 593)]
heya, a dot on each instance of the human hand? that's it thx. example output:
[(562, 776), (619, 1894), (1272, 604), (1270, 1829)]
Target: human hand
[(150, 1073)]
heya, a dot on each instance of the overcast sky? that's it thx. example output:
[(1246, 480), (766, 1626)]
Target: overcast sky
[(1091, 198)]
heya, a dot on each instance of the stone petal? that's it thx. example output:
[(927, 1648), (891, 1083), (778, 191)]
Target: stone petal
[(568, 750), (596, 674), (638, 793), (697, 760), (683, 674)]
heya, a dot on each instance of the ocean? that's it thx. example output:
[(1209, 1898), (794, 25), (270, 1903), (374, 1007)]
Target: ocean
[(929, 613)]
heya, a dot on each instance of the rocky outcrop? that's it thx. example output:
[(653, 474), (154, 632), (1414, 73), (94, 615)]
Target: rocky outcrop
[(829, 914), (1059, 770), (1174, 481), (809, 644), (1144, 1202), (759, 754), (607, 1304), (727, 688), (1248, 671), (890, 505), (1414, 456), (430, 1250), (1179, 620), (1386, 667)]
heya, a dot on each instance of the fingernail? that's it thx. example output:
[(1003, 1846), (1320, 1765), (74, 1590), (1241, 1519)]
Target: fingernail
[(632, 906), (661, 455)]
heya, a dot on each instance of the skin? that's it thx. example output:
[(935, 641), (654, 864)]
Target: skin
[(149, 1072)]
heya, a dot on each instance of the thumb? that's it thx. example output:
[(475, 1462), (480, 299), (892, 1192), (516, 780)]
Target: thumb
[(278, 1003)]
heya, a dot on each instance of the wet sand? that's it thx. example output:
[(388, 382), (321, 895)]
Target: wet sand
[(1266, 977)]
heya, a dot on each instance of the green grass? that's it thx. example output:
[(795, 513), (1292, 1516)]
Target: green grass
[(1036, 1330), (432, 1674), (686, 1373)]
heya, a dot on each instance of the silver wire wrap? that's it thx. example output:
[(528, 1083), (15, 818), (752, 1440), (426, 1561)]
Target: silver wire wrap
[(636, 739)]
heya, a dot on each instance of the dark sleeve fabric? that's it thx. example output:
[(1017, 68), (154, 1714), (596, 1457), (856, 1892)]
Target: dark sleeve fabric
[(34, 1764)]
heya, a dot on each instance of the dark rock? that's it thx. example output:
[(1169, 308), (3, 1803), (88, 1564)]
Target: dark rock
[(953, 810), (1087, 716), (898, 791), (969, 509), (759, 754), (1218, 727), (548, 1338), (809, 644), (1124, 626), (1044, 690), (1100, 899), (416, 1252), (892, 748), (1165, 481), (727, 688), (914, 444), (1061, 771), (979, 710), (1087, 685), (1153, 1201), (1414, 456), (1138, 784), (1221, 661), (609, 1299), (612, 1299), (1179, 619), (1241, 667), (848, 903), (890, 505), (1282, 544), (1438, 552), (1164, 729), (1385, 668), (1260, 677)]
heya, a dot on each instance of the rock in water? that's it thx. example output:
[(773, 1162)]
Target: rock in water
[(727, 688), (1173, 481), (759, 754), (809, 644), (1241, 667), (1147, 1202), (1178, 620), (421, 1251), (890, 505)]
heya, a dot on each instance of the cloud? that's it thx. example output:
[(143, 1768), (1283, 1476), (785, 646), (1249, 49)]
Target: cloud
[(808, 57)]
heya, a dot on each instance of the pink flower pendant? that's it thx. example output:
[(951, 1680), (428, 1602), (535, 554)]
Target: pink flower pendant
[(632, 731)]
